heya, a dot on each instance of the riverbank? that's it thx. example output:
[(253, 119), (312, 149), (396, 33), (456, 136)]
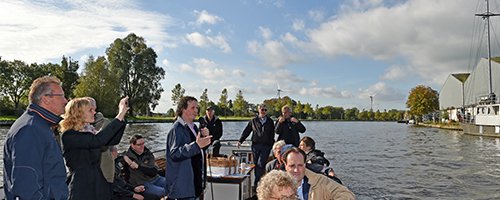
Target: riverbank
[(449, 126)]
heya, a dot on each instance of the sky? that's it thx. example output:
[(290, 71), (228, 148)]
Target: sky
[(336, 53)]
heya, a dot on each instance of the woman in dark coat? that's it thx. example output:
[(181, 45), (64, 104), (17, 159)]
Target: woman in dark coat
[(82, 148)]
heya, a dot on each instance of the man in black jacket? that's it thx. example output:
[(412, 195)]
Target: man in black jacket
[(142, 168), (214, 125), (289, 127), (262, 127)]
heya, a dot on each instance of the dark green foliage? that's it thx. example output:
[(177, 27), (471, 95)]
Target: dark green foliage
[(140, 77)]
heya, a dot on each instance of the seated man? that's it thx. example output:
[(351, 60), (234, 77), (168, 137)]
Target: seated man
[(276, 162), (315, 159), (121, 189), (312, 185), (142, 169)]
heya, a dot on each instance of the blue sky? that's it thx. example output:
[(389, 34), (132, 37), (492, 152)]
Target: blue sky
[(335, 53)]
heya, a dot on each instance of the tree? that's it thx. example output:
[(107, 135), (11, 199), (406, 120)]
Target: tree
[(240, 105), (223, 104), (171, 112), (140, 77), (15, 80), (298, 109), (177, 94), (101, 83), (308, 110), (204, 101), (351, 114), (68, 74), (422, 100)]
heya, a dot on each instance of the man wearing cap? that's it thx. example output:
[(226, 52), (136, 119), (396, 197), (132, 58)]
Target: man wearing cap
[(214, 125), (262, 127)]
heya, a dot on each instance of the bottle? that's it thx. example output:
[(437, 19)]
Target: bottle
[(242, 168)]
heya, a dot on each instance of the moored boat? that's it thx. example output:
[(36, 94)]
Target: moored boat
[(482, 117)]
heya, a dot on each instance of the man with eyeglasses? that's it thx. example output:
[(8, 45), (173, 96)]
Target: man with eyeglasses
[(33, 162), (262, 128), (312, 186), (142, 169)]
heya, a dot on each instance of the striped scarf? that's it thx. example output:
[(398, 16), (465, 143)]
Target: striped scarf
[(50, 117)]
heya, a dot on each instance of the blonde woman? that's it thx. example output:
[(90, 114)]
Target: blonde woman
[(277, 185), (82, 148)]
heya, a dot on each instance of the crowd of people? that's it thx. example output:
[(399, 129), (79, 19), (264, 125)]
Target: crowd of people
[(60, 149)]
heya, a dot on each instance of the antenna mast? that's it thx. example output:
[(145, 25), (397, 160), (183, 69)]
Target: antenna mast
[(486, 16)]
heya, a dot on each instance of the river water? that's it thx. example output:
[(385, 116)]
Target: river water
[(386, 160)]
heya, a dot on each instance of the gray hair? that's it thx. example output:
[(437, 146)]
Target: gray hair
[(279, 144), (41, 87)]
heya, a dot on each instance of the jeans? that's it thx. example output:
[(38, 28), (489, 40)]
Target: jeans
[(260, 156), (155, 187)]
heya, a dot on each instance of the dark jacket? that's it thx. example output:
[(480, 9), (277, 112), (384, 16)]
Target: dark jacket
[(289, 131), (185, 171), (121, 189), (147, 169), (317, 157), (262, 133), (274, 164), (82, 152), (33, 162), (214, 126)]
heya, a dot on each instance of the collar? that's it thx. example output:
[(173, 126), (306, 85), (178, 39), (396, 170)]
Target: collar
[(184, 123), (48, 116)]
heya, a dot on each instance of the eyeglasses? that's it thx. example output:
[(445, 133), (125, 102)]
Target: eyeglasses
[(263, 109), (54, 95)]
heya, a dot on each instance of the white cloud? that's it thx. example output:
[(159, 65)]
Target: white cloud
[(316, 15), (273, 53), (430, 35), (395, 73), (286, 79), (201, 40), (266, 33), (381, 92), (298, 25), (238, 72), (38, 32), (186, 68), (328, 92), (205, 17), (208, 69), (165, 62)]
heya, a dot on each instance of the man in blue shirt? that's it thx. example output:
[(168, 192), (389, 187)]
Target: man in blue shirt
[(33, 162)]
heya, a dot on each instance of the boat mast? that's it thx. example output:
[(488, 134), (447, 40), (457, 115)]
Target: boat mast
[(486, 16)]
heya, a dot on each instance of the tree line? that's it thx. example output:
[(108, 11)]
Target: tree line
[(127, 69), (239, 107)]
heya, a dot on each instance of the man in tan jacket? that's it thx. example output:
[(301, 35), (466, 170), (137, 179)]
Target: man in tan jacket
[(312, 186)]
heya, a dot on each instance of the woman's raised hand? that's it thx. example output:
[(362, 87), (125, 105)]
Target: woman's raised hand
[(122, 108)]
